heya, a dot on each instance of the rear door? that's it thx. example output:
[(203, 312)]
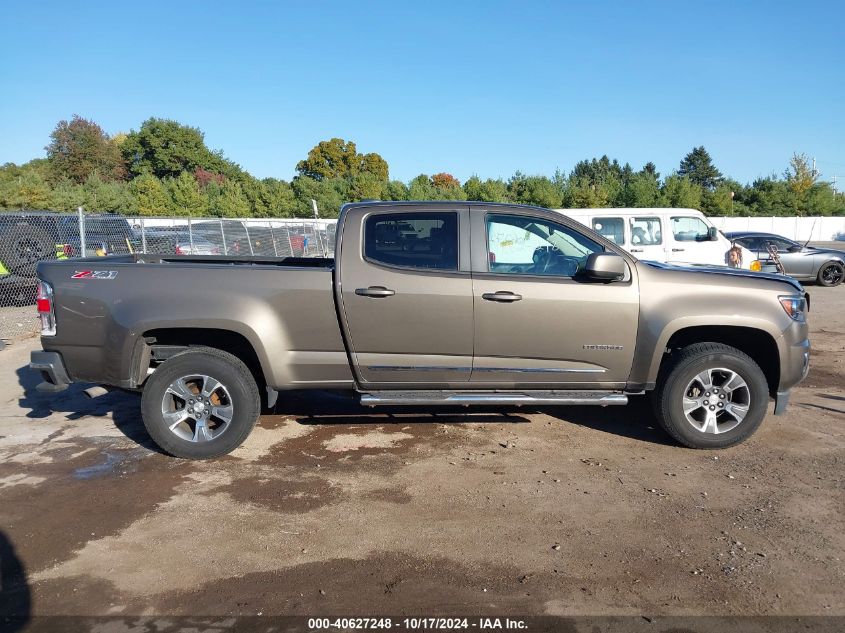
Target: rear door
[(538, 323), (405, 292), (646, 235)]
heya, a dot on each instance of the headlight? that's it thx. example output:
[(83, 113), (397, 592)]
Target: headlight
[(795, 307), (756, 266)]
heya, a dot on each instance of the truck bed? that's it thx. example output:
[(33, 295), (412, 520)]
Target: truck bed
[(248, 260)]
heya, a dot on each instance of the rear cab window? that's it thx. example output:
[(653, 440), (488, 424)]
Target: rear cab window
[(426, 241)]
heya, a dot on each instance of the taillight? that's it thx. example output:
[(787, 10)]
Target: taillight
[(68, 249), (180, 250), (44, 305)]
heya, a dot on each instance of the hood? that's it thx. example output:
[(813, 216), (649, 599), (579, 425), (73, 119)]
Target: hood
[(830, 251), (724, 270)]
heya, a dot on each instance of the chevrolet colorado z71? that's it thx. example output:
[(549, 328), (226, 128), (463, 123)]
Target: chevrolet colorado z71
[(434, 303)]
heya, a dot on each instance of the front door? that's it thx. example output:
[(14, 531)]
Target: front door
[(689, 242), (405, 292), (538, 322)]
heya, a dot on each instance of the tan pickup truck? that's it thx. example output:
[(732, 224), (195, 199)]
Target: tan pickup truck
[(426, 304)]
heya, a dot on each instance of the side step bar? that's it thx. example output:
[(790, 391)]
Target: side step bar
[(402, 398)]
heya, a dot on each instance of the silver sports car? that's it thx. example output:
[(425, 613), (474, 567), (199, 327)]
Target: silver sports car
[(806, 263)]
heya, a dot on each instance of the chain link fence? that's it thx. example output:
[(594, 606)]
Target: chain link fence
[(27, 238)]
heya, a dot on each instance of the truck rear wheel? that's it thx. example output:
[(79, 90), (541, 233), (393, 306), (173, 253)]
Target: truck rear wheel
[(711, 396), (201, 403)]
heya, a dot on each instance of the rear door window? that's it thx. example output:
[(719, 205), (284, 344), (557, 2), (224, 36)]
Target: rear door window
[(612, 229), (646, 231), (409, 240)]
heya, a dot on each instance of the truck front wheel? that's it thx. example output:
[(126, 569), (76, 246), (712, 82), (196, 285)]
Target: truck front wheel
[(711, 396), (201, 403)]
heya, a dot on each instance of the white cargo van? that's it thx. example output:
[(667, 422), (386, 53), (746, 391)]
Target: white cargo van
[(674, 236)]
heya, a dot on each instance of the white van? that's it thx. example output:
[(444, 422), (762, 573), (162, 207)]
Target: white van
[(674, 236)]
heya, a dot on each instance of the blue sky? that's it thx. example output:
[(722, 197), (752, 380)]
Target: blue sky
[(464, 87)]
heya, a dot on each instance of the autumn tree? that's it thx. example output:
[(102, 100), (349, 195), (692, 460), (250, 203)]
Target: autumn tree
[(800, 177), (80, 147), (337, 158)]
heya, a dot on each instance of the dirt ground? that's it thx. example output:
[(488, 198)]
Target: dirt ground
[(330, 509)]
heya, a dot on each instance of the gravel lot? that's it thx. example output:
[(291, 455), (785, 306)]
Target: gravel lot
[(329, 509)]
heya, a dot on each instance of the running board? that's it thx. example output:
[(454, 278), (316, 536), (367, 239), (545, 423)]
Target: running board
[(402, 398)]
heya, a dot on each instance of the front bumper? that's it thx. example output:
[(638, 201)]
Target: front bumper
[(52, 369), (795, 365)]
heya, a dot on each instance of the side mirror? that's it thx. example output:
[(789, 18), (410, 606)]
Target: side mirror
[(713, 234), (604, 267), (795, 248)]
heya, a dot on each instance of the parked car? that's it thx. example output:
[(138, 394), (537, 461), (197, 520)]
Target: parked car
[(175, 241), (675, 236), (825, 266), (29, 237), (487, 304)]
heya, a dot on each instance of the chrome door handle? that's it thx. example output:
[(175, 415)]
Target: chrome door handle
[(678, 250), (375, 291), (636, 250), (502, 296)]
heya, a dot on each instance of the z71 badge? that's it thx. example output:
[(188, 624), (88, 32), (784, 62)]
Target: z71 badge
[(94, 274)]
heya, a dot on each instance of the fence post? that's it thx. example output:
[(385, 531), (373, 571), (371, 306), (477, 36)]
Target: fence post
[(223, 236), (82, 244), (248, 238), (273, 238), (143, 237), (190, 235)]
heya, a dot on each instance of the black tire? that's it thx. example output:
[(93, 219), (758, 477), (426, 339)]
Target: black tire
[(23, 246), (239, 389), (831, 274), (672, 392)]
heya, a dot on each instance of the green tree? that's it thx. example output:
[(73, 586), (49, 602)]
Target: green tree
[(641, 190), (280, 198), (396, 190), (699, 168), (367, 186), (583, 194), (186, 197), (536, 190), (486, 191), (80, 147), (101, 196), (165, 148), (681, 193), (420, 188), (151, 198), (27, 190), (228, 200), (68, 196), (330, 194)]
